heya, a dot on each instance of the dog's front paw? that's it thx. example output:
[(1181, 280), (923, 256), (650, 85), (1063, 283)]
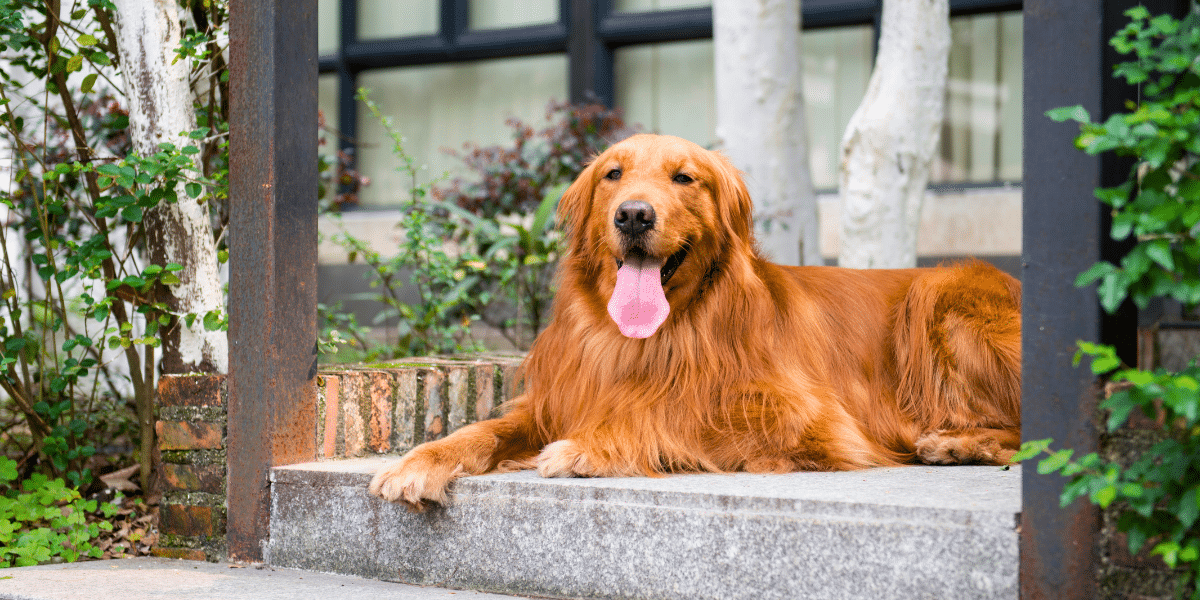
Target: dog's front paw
[(416, 480), (564, 459)]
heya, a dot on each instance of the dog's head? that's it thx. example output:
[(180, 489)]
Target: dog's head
[(652, 217)]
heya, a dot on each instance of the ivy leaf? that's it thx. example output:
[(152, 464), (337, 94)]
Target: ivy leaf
[(132, 214), (1096, 271), (212, 321), (1055, 461), (1160, 252), (1113, 292), (1188, 508), (1069, 113), (1031, 449), (1105, 496)]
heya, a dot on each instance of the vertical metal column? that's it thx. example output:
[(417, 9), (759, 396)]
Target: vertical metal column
[(273, 256), (1062, 238)]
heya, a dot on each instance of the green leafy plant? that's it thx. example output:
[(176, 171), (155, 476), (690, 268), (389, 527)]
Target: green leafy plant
[(82, 309), (439, 321), (43, 520), (1156, 496), (513, 191)]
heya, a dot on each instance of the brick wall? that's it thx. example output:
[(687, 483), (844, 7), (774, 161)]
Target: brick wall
[(191, 439), (384, 408)]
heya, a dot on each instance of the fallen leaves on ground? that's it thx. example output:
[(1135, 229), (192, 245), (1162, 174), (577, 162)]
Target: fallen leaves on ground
[(134, 531)]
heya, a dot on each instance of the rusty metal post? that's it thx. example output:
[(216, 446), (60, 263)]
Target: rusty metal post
[(1062, 238), (273, 256)]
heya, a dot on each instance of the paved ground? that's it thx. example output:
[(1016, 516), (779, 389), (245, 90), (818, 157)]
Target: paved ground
[(150, 578)]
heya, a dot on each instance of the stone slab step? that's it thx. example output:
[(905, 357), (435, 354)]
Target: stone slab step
[(908, 532), (149, 578)]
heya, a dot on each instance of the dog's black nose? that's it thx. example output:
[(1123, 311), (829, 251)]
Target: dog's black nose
[(634, 217)]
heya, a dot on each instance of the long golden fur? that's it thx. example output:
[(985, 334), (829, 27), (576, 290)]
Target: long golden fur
[(757, 367)]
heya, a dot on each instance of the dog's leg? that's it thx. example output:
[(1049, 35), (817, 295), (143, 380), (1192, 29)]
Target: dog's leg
[(958, 347), (424, 474), (977, 446)]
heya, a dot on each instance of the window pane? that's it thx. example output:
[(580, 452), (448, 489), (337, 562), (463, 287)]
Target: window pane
[(498, 14), (981, 136), (652, 5), (327, 105), (669, 88), (329, 23), (837, 66), (444, 106), (397, 18)]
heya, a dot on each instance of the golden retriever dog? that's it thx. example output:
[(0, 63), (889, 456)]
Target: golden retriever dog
[(675, 347)]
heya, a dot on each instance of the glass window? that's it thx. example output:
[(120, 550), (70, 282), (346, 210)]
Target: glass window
[(442, 107), (499, 14), (327, 104), (653, 5), (981, 136), (837, 66), (329, 25), (669, 88), (381, 19)]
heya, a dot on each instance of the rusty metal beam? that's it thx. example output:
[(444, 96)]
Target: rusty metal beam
[(273, 256), (1063, 236)]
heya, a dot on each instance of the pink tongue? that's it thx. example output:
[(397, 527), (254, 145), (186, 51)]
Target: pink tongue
[(638, 304)]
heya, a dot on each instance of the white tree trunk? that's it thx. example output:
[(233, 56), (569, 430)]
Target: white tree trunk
[(892, 137), (160, 107), (760, 121)]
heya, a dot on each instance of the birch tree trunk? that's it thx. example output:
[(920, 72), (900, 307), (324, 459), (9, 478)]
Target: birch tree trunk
[(760, 121), (160, 107), (892, 137)]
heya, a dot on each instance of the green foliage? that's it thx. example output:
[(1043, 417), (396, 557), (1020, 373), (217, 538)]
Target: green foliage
[(439, 322), (483, 247), (1160, 203), (43, 519), (82, 309), (513, 190), (1157, 496)]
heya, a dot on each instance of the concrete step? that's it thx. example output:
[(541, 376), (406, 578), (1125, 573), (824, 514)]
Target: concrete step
[(908, 532), (148, 578)]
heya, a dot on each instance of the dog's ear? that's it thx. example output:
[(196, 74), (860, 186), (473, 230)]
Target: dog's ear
[(576, 202), (733, 198)]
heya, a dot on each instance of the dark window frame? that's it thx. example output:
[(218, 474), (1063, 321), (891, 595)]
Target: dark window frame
[(587, 31)]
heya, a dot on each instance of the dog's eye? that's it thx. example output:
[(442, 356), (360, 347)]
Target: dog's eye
[(614, 174), (681, 178)]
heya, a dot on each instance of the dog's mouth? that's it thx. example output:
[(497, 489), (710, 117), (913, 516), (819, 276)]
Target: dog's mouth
[(668, 267), (639, 305)]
